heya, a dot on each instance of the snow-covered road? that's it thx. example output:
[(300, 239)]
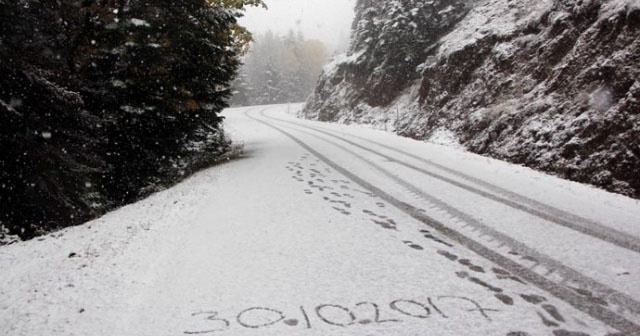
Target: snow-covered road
[(325, 229)]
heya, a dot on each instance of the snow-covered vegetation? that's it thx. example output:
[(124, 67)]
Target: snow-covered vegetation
[(279, 69), (102, 102)]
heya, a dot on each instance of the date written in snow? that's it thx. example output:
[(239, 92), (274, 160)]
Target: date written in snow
[(363, 313)]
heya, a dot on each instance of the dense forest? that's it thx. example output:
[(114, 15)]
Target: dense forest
[(279, 69), (103, 102)]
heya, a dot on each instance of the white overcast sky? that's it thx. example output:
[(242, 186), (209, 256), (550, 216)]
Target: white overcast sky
[(326, 20)]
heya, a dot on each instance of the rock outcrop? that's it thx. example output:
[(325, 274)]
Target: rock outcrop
[(552, 84)]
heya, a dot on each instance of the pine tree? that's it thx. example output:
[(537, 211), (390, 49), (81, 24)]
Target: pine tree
[(395, 37), (48, 171), (102, 101), (160, 76), (280, 69)]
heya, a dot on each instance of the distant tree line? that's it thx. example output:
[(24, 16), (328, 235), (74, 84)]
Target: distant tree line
[(104, 101), (279, 69)]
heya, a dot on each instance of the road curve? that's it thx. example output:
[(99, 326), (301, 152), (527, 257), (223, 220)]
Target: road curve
[(565, 293)]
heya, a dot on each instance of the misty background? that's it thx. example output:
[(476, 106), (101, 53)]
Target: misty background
[(293, 40)]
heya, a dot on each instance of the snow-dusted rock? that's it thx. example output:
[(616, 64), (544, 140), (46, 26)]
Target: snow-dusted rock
[(551, 84)]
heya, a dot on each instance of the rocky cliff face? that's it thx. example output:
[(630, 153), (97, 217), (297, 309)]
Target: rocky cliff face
[(552, 84)]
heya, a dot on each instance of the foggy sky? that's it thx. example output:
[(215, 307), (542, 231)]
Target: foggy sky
[(326, 20)]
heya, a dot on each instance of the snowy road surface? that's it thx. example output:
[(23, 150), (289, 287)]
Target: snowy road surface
[(338, 230)]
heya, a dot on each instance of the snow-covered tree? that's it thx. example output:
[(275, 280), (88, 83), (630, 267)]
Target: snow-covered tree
[(280, 69), (394, 37), (48, 167), (158, 73), (104, 101)]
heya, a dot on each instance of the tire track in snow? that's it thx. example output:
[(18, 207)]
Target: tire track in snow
[(539, 262), (532, 207), (568, 295), (542, 263)]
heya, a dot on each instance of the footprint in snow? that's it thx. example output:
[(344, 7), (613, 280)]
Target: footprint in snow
[(413, 245)]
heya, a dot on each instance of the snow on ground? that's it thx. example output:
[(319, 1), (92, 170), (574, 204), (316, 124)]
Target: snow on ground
[(445, 137), (341, 59), (618, 211), (281, 242), (492, 17)]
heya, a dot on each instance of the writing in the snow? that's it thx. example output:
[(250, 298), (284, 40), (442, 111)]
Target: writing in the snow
[(363, 313)]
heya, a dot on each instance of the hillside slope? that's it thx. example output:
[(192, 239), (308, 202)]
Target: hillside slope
[(551, 84)]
